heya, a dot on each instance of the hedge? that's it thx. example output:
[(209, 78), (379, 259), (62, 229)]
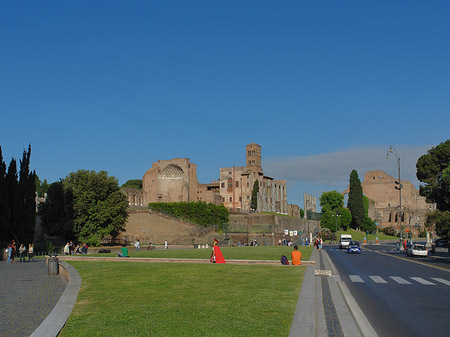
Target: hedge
[(199, 213)]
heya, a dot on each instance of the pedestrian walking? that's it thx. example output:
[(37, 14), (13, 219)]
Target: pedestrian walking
[(66, 249), (13, 251), (22, 252), (166, 245), (137, 245), (9, 251), (30, 252)]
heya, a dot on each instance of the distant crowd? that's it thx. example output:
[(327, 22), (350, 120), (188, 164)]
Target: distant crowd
[(71, 249), (22, 252)]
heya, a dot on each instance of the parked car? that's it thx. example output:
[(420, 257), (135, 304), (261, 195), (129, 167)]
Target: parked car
[(344, 240), (354, 247), (417, 250), (441, 242)]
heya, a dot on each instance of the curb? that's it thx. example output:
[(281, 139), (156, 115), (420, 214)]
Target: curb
[(57, 318), (173, 260)]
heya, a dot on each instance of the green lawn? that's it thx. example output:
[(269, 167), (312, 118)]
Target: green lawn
[(359, 236), (182, 299), (240, 253)]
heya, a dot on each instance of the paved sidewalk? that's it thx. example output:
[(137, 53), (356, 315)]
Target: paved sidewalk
[(27, 295), (325, 307)]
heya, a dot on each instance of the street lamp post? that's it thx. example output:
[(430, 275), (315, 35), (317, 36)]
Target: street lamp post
[(336, 215), (399, 188)]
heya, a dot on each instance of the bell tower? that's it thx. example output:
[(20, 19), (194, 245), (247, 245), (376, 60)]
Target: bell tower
[(253, 156)]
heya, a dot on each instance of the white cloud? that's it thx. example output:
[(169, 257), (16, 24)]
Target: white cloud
[(333, 169)]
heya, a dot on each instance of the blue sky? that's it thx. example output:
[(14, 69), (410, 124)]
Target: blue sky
[(323, 86)]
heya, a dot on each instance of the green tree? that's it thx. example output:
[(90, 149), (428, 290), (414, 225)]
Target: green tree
[(441, 221), (336, 219), (26, 201), (329, 201), (366, 205), (4, 203), (93, 207), (255, 191), (55, 220), (368, 225), (135, 183), (355, 201), (433, 169), (41, 187), (11, 186), (17, 200), (99, 208)]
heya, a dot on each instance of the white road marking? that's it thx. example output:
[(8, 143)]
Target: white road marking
[(423, 281), (378, 279), (441, 280), (356, 278), (399, 280)]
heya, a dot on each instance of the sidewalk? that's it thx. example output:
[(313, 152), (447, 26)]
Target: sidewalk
[(325, 307), (27, 294)]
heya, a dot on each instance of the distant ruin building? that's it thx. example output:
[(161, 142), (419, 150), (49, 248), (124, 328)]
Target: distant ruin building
[(176, 180), (379, 187), (236, 186), (310, 205)]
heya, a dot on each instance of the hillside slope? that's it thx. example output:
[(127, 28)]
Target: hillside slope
[(147, 226)]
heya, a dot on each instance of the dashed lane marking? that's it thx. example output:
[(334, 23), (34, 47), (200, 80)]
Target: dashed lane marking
[(423, 281), (356, 278), (441, 280), (400, 280), (378, 279)]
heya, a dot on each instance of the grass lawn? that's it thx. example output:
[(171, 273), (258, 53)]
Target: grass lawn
[(182, 299), (359, 236), (238, 253)]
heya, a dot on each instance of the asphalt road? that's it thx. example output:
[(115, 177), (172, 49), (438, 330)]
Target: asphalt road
[(400, 296)]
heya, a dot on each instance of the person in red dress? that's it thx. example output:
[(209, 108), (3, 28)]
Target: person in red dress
[(216, 256)]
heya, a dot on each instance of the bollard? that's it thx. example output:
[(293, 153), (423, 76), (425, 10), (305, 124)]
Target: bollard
[(376, 239), (53, 266), (364, 240)]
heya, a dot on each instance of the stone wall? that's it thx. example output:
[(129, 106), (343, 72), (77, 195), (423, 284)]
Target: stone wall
[(274, 225)]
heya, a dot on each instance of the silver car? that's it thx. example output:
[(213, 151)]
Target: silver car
[(417, 250)]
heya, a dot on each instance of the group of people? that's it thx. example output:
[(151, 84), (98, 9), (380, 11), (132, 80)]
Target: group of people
[(71, 249), (137, 245), (23, 252), (318, 243)]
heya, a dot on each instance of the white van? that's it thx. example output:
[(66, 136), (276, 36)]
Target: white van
[(344, 240)]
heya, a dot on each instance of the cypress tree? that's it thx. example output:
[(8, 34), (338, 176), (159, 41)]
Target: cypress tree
[(4, 203), (255, 191), (355, 201), (11, 187), (26, 200)]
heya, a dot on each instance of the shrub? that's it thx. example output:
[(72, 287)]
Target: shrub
[(423, 233), (199, 213), (390, 231), (325, 234)]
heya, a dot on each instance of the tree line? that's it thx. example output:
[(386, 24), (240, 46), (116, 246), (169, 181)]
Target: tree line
[(17, 199), (356, 215)]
